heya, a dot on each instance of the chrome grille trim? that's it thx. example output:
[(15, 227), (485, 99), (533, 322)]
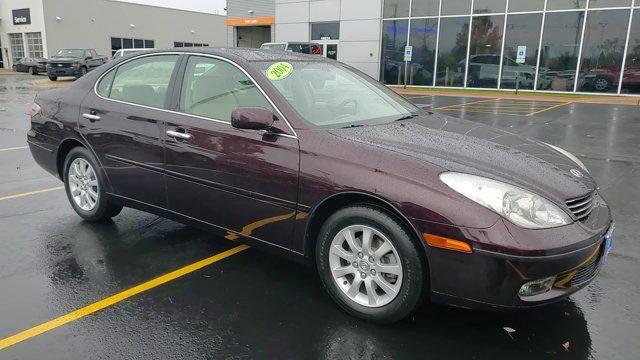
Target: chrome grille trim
[(581, 206), (585, 273)]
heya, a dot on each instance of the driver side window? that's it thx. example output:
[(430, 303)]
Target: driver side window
[(213, 88)]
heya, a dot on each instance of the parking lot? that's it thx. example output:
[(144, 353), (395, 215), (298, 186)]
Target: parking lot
[(146, 287)]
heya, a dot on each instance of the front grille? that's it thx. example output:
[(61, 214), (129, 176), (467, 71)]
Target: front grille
[(57, 65), (585, 273), (581, 206)]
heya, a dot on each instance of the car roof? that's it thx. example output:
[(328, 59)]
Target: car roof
[(245, 54)]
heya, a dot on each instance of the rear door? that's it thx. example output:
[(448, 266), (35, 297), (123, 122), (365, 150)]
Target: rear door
[(245, 181), (123, 123)]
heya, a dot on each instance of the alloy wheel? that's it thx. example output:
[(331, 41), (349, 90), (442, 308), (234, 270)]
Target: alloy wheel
[(365, 265), (83, 184), (601, 84)]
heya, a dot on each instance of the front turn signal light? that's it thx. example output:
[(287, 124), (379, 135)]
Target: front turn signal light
[(446, 243)]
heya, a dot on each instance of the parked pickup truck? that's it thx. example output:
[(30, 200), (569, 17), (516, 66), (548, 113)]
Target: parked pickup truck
[(73, 62)]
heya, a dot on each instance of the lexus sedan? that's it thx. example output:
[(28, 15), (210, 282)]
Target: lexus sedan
[(314, 160)]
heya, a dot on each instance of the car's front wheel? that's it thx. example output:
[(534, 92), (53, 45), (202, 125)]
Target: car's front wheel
[(85, 187), (53, 77), (33, 70), (83, 72), (369, 264)]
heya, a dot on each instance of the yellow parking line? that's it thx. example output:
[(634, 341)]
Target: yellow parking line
[(467, 103), (104, 303), (8, 197), (549, 108), (488, 112), (14, 148)]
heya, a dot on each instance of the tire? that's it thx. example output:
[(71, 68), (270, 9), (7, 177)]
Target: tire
[(601, 84), (33, 71), (387, 306), (101, 210), (53, 77), (83, 72)]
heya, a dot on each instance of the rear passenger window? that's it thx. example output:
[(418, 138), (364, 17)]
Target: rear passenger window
[(213, 88), (143, 81)]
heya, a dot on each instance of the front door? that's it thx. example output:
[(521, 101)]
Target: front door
[(244, 181), (123, 125)]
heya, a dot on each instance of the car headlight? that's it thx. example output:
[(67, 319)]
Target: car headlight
[(570, 156), (517, 205)]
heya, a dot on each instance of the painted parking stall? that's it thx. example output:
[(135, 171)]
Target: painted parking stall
[(53, 265)]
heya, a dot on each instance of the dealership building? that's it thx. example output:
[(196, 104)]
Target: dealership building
[(590, 46), (38, 28)]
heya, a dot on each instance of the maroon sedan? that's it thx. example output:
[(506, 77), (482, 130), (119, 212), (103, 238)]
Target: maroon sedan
[(316, 161)]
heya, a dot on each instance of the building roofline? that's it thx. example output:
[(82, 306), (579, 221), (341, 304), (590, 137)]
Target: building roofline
[(164, 7)]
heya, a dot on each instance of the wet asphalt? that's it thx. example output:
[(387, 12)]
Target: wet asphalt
[(254, 305)]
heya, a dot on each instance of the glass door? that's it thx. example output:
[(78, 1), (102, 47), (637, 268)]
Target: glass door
[(330, 50)]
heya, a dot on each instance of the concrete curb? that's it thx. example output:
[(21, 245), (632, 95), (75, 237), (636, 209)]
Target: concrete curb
[(608, 100)]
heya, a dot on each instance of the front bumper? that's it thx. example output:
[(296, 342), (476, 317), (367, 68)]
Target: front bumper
[(62, 71), (492, 275)]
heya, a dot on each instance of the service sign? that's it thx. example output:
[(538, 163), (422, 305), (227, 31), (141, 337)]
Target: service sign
[(21, 16)]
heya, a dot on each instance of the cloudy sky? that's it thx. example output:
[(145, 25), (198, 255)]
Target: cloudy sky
[(208, 6)]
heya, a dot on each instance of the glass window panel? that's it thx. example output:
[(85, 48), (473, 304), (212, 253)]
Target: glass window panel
[(565, 4), (325, 31), (34, 45), (522, 30), (603, 47), (631, 78), (452, 53), (559, 53), (526, 5), (149, 44), (423, 37), (425, 7), (138, 43), (489, 6), (104, 87), (17, 47), (395, 8), (394, 39), (144, 81), (456, 7), (484, 54), (593, 4), (127, 43), (116, 44), (213, 88)]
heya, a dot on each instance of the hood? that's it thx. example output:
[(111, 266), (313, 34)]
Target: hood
[(463, 146)]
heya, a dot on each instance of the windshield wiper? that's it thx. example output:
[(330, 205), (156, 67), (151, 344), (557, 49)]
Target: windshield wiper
[(407, 117), (351, 126)]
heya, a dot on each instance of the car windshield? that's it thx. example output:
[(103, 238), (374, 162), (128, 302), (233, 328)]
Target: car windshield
[(70, 53), (332, 95), (279, 47)]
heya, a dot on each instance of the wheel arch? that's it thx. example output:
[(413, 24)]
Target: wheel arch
[(331, 204), (63, 149)]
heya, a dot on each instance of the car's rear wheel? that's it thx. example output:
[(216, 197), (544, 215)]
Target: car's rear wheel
[(369, 264), (85, 187), (33, 70), (53, 77)]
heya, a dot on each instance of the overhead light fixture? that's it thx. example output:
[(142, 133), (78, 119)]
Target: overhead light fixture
[(132, 25), (58, 18), (193, 31), (250, 11)]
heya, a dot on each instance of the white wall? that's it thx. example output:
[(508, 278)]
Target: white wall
[(360, 22), (6, 25), (94, 23)]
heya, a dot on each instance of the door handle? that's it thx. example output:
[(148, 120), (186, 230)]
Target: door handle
[(179, 135), (91, 117)]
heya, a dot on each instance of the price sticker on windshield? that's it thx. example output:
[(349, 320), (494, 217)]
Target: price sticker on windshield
[(279, 70)]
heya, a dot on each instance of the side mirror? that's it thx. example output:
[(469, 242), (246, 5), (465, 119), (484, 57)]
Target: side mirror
[(252, 118), (88, 58)]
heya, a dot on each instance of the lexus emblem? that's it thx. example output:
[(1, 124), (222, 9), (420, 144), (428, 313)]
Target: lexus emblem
[(576, 173)]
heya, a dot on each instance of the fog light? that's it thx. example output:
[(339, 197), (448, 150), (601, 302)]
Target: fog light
[(536, 287)]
